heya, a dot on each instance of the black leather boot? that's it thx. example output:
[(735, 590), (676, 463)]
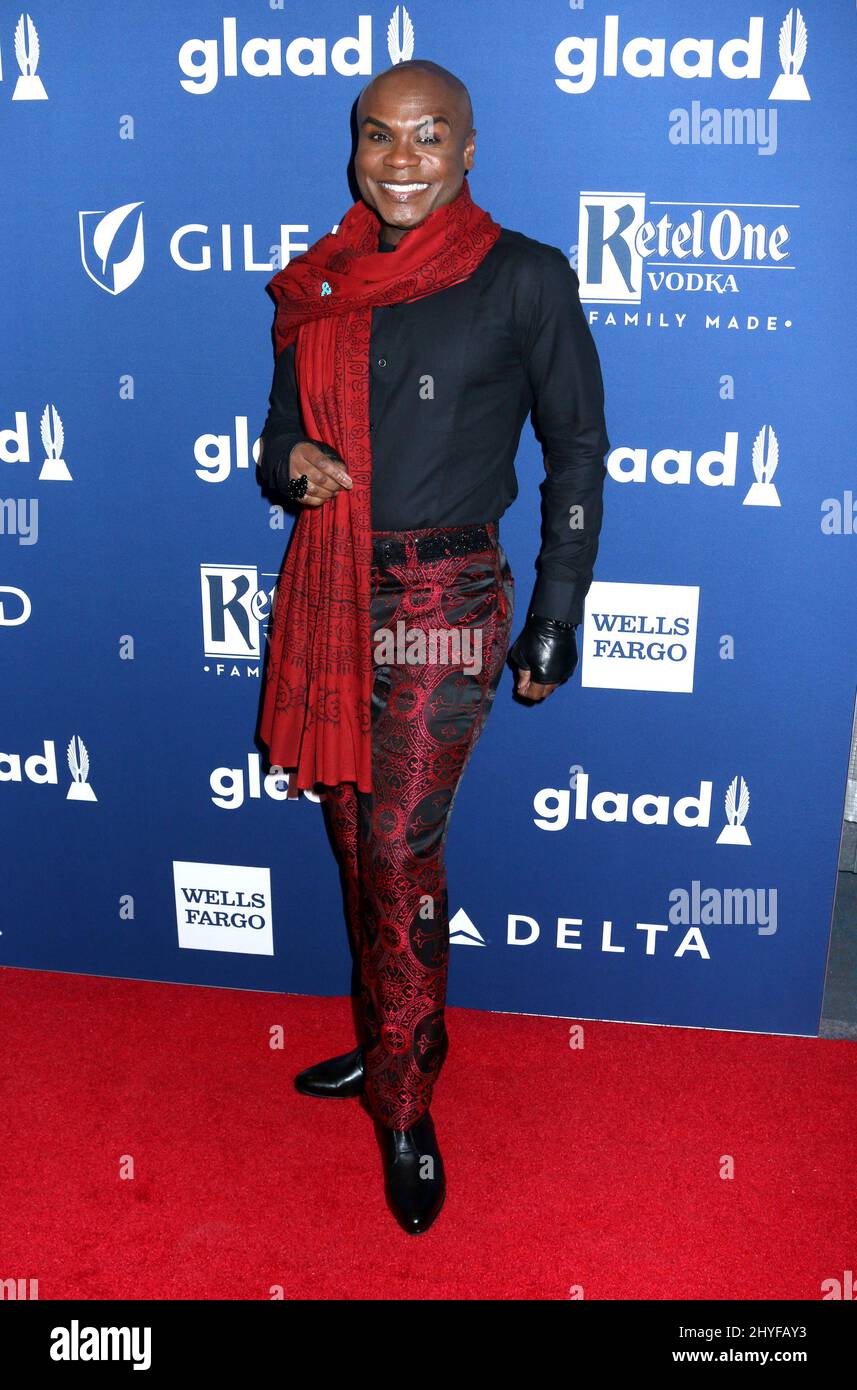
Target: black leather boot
[(340, 1076), (416, 1183)]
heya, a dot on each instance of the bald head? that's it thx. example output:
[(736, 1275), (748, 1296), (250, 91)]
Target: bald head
[(405, 76)]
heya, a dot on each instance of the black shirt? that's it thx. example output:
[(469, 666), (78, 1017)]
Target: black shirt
[(453, 378)]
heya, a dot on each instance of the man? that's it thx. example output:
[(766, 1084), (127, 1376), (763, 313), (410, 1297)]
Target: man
[(412, 345)]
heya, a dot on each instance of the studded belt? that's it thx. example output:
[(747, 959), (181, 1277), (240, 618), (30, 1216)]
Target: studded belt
[(451, 540)]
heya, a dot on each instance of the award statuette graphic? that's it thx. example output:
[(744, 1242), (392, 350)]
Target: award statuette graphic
[(763, 493), (54, 468), (790, 85), (29, 86), (733, 832), (400, 46), (78, 766)]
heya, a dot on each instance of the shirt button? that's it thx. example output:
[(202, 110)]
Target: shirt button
[(382, 361)]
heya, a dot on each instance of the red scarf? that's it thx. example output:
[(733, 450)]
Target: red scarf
[(316, 714)]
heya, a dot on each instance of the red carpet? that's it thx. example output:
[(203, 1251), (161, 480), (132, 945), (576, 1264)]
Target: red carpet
[(597, 1168)]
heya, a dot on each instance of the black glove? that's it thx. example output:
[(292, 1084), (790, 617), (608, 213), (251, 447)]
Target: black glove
[(547, 648)]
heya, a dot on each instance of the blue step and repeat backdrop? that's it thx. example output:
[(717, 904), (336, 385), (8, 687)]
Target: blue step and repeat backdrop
[(658, 841)]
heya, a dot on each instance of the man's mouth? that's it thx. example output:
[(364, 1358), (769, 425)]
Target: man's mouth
[(403, 192)]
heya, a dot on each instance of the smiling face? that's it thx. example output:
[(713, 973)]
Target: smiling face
[(415, 141)]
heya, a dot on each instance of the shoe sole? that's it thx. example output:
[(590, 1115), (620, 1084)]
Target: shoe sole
[(328, 1095)]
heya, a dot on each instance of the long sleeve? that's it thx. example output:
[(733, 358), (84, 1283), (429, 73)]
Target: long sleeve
[(282, 429), (565, 376)]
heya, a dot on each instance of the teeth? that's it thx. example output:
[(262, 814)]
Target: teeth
[(404, 187)]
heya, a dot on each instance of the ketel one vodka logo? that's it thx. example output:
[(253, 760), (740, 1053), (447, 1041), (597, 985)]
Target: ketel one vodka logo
[(29, 86), (111, 246), (580, 61), (676, 246), (236, 603)]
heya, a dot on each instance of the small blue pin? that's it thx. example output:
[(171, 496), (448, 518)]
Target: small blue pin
[(325, 287)]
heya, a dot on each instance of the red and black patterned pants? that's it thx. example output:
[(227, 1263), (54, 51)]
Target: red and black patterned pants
[(446, 624)]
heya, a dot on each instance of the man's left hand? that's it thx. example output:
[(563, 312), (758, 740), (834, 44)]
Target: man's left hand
[(545, 655), (534, 690)]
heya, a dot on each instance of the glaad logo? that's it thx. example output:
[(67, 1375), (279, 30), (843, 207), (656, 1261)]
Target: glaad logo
[(29, 86), (617, 244), (218, 456), (223, 907), (640, 636), (233, 787), (713, 468), (97, 240), (302, 56), (552, 806), (738, 59), (41, 768), (15, 444), (234, 609)]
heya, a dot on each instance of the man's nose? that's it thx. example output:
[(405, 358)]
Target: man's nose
[(400, 155)]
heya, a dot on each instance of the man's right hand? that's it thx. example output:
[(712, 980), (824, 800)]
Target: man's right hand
[(325, 471)]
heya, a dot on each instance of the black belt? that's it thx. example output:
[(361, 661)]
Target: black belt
[(453, 540)]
